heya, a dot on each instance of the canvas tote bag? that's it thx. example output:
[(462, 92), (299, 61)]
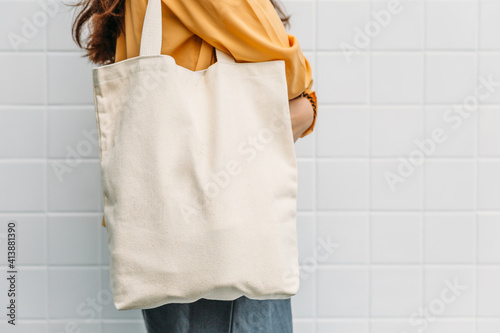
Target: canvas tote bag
[(199, 177)]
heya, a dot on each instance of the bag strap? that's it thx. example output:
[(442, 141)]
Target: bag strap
[(152, 30), (151, 39)]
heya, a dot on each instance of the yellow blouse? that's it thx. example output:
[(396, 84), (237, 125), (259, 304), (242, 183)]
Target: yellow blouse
[(250, 30)]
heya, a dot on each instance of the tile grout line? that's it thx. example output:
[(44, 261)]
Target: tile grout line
[(368, 92), (46, 175), (315, 174), (301, 211), (476, 219), (77, 106), (422, 185)]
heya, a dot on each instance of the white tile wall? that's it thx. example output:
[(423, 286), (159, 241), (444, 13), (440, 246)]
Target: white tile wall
[(395, 291), (388, 75), (16, 19), (404, 29), (396, 79), (342, 292), (451, 32), (488, 249), (23, 78), (348, 234), (449, 77), (22, 126)]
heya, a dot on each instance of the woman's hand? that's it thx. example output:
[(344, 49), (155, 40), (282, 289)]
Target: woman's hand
[(301, 114)]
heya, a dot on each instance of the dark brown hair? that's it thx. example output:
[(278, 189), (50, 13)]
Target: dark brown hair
[(103, 20)]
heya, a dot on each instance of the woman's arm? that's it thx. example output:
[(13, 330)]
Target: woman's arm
[(302, 116)]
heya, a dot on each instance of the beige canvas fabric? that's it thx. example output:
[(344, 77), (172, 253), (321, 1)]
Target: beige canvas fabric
[(199, 177)]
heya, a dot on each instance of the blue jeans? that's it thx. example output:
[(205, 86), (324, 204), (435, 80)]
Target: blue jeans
[(242, 315)]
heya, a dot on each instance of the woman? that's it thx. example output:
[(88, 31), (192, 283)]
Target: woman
[(251, 31)]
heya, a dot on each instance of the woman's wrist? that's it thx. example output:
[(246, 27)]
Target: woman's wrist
[(311, 96), (301, 114)]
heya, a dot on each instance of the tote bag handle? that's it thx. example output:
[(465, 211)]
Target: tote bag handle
[(151, 39)]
